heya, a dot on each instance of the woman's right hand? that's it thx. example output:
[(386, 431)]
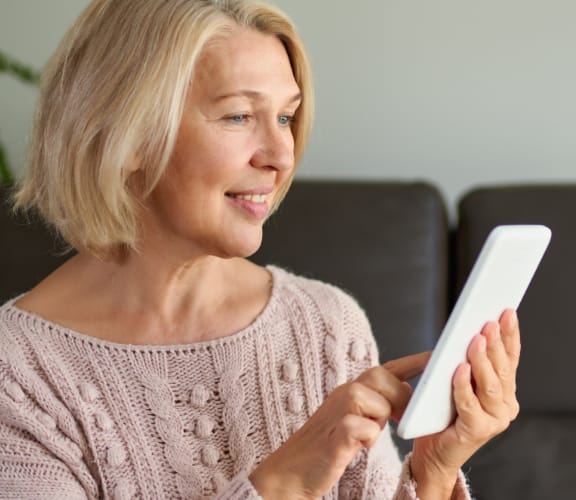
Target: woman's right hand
[(312, 460)]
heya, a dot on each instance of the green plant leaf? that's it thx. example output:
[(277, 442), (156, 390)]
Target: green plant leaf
[(6, 176), (25, 74), (19, 70)]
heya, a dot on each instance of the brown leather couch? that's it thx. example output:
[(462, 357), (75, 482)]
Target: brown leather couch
[(391, 246)]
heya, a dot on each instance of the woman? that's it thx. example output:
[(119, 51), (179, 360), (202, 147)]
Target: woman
[(158, 362)]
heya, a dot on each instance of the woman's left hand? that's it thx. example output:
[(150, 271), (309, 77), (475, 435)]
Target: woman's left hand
[(485, 399)]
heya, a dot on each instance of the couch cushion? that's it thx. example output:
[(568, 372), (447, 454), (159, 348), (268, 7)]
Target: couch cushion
[(28, 251), (384, 242), (548, 340), (532, 460)]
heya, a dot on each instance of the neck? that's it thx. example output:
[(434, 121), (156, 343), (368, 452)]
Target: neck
[(155, 301)]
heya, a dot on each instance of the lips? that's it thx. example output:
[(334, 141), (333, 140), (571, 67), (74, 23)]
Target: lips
[(253, 203), (256, 198)]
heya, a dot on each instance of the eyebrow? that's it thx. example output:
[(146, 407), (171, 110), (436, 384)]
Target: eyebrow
[(253, 95)]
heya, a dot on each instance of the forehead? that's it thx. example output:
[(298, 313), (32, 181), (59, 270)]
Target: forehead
[(248, 59)]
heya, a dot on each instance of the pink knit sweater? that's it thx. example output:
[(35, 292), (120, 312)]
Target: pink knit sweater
[(86, 418)]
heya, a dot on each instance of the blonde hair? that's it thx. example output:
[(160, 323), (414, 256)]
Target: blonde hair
[(112, 96)]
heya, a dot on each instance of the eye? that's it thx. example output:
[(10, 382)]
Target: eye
[(239, 118), (286, 119)]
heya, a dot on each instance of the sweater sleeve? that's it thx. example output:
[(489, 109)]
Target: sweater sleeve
[(407, 486), (42, 452), (240, 488), (28, 470), (36, 459)]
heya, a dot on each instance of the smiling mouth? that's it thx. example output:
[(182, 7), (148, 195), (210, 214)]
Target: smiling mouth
[(255, 198)]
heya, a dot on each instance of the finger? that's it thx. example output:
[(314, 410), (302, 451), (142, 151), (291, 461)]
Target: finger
[(394, 391), (409, 366), (502, 364), (367, 402), (355, 429), (510, 331), (467, 405), (489, 390)]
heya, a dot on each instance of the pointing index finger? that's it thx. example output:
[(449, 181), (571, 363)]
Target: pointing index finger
[(409, 366)]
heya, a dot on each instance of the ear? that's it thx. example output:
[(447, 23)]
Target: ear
[(133, 164)]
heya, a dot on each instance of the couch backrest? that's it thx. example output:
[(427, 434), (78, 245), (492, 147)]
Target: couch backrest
[(534, 458), (547, 344), (384, 242), (28, 251)]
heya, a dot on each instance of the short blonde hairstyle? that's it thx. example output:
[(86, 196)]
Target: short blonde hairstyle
[(113, 94)]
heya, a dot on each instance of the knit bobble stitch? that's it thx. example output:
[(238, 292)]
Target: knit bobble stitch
[(295, 403), (210, 456), (124, 490), (88, 392), (15, 392), (199, 396), (116, 456), (357, 351), (103, 421), (204, 427), (289, 371)]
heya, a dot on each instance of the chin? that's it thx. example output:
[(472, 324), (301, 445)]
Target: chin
[(241, 247)]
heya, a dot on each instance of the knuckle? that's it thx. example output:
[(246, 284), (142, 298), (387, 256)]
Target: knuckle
[(370, 375), (347, 424), (469, 405), (355, 391), (344, 431), (505, 373), (493, 389)]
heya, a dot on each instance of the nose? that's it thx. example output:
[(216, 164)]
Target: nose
[(274, 148)]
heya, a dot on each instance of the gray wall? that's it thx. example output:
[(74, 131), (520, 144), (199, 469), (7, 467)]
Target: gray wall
[(457, 92), (29, 31)]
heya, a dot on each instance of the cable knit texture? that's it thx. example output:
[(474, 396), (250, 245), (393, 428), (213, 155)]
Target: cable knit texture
[(85, 418)]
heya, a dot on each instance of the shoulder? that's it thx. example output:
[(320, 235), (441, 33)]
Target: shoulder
[(14, 325), (331, 316), (9, 328), (333, 302), (19, 358), (18, 354), (25, 344), (39, 432)]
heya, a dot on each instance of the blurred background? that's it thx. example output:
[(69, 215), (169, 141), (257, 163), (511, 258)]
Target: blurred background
[(455, 92)]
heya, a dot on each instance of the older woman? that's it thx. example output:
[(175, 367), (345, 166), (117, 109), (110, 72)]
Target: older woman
[(158, 362)]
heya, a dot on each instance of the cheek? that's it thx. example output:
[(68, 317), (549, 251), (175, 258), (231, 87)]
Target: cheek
[(188, 165)]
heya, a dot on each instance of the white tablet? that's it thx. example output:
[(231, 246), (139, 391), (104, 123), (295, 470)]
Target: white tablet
[(498, 281)]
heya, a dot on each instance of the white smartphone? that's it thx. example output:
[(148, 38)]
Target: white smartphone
[(498, 281)]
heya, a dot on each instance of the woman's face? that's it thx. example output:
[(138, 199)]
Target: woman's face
[(234, 150)]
